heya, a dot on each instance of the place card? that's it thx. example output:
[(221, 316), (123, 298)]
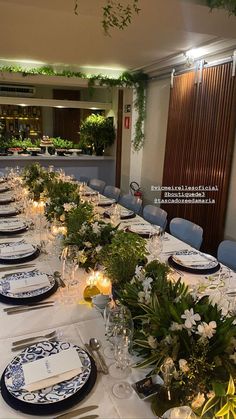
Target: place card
[(16, 250), (51, 370), (29, 283)]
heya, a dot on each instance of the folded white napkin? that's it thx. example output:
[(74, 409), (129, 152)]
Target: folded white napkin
[(16, 250), (5, 209), (125, 212), (29, 283), (139, 228), (104, 200), (51, 370), (11, 225), (5, 196), (193, 259)]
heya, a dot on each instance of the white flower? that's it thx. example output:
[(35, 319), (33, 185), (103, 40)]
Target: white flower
[(147, 284), (174, 327), (198, 401), (207, 330), (96, 227), (68, 207), (190, 318), (183, 365), (141, 296), (139, 273), (168, 340), (88, 244), (152, 342), (98, 248)]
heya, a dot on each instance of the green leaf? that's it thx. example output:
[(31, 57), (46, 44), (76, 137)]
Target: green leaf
[(223, 411), (231, 387), (209, 405)]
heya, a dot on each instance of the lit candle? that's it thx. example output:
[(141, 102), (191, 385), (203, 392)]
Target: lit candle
[(104, 285)]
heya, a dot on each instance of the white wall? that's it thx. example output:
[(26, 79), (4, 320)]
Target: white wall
[(158, 93), (230, 222)]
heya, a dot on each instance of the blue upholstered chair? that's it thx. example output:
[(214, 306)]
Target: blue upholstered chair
[(129, 201), (84, 179), (155, 215), (112, 192), (226, 253), (187, 231), (97, 185)]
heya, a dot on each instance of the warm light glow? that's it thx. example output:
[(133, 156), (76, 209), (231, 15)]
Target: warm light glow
[(195, 53), (104, 285), (59, 106)]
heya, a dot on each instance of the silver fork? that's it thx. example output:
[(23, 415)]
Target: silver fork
[(27, 340)]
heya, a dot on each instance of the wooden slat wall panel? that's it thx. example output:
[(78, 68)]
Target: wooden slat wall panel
[(199, 146)]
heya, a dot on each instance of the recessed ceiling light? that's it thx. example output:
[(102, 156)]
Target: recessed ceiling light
[(60, 106), (22, 104), (195, 53)]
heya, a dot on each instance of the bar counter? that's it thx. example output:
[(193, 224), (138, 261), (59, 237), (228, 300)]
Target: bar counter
[(101, 167)]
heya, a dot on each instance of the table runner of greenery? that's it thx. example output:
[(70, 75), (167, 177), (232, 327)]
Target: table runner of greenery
[(171, 323)]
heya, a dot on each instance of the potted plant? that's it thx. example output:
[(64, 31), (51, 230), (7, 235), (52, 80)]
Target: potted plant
[(61, 145), (97, 131)]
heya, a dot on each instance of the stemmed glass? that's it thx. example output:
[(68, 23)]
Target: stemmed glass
[(69, 268), (115, 214), (114, 315), (155, 244), (121, 368)]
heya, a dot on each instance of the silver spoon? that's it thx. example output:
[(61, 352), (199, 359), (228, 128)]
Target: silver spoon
[(95, 346), (59, 279)]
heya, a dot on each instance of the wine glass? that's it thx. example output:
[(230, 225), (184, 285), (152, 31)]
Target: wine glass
[(115, 314), (115, 214), (121, 368), (155, 243), (69, 269)]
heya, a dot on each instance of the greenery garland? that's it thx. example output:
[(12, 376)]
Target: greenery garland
[(229, 5), (136, 80)]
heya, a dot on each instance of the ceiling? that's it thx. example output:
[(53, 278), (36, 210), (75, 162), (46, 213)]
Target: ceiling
[(48, 31)]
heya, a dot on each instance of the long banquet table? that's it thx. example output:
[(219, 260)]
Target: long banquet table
[(77, 322)]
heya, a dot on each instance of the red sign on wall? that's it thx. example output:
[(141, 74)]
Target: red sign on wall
[(127, 122)]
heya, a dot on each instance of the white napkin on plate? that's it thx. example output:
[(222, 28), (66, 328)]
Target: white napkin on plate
[(5, 196), (16, 250), (193, 259), (139, 228), (29, 283), (52, 369), (11, 225), (105, 200), (5, 209)]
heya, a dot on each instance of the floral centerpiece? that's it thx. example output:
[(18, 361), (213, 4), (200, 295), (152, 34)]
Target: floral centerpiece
[(62, 197), (88, 233), (36, 178), (200, 341)]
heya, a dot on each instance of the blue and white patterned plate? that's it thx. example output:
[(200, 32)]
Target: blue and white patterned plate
[(16, 257), (5, 285), (14, 377)]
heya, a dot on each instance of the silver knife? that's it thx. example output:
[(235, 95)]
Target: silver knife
[(24, 309), (77, 412), (16, 266), (16, 308), (26, 345)]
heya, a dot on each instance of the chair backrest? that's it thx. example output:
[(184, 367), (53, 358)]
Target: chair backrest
[(131, 202), (112, 192), (155, 215), (97, 185), (84, 179), (226, 253), (187, 231)]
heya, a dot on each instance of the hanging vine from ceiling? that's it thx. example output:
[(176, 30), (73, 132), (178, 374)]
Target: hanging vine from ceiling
[(115, 14), (229, 5), (137, 80)]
